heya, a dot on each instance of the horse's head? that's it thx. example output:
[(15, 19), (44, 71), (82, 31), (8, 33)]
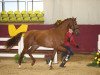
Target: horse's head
[(72, 24)]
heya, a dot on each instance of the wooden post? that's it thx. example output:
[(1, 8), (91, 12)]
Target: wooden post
[(20, 45), (99, 43), (55, 58)]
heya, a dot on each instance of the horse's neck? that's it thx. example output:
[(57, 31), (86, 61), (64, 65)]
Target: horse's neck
[(61, 30)]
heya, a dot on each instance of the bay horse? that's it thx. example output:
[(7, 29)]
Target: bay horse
[(51, 38)]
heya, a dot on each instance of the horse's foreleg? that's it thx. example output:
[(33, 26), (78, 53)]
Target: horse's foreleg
[(61, 48), (50, 64), (51, 60), (65, 58)]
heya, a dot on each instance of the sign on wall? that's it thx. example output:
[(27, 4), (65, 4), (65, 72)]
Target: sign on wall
[(12, 30)]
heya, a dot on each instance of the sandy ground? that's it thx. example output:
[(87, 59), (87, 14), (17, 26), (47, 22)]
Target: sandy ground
[(75, 66)]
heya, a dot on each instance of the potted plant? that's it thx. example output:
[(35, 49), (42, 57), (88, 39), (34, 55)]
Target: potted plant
[(96, 60), (17, 58)]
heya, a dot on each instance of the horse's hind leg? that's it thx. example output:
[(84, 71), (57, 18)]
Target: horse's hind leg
[(21, 56), (29, 52)]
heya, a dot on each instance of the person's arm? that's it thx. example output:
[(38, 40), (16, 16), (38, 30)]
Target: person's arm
[(74, 43), (67, 37)]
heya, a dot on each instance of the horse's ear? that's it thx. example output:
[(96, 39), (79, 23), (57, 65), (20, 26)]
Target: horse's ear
[(75, 18)]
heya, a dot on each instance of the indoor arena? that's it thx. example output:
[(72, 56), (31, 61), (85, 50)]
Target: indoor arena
[(49, 37)]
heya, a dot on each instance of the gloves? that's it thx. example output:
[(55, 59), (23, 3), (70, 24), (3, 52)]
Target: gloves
[(77, 46), (68, 39)]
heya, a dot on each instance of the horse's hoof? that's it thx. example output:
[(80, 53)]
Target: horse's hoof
[(19, 66), (62, 66), (32, 63), (50, 68)]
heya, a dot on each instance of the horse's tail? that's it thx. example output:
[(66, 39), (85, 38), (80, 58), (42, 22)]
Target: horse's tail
[(13, 41)]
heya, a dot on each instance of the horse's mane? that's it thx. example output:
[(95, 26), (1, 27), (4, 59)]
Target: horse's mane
[(60, 22)]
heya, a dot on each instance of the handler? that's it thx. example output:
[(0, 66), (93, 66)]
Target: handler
[(68, 42)]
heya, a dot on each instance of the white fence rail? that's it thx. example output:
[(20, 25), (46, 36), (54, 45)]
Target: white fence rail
[(20, 48)]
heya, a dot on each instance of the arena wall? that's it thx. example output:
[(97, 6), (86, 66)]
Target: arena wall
[(86, 11), (87, 39)]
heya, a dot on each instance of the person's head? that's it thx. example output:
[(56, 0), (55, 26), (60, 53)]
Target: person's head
[(70, 30)]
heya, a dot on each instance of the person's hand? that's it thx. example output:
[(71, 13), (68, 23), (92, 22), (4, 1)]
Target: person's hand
[(77, 46)]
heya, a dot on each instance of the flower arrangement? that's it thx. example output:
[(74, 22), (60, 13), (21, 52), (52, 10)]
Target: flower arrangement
[(96, 60)]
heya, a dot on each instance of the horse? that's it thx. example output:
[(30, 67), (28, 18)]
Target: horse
[(51, 38)]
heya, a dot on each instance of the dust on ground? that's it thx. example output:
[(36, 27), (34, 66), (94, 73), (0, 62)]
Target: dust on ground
[(77, 65)]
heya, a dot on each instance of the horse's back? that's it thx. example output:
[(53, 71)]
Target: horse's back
[(47, 38)]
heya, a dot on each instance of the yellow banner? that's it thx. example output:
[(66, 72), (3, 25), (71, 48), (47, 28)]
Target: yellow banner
[(13, 31)]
